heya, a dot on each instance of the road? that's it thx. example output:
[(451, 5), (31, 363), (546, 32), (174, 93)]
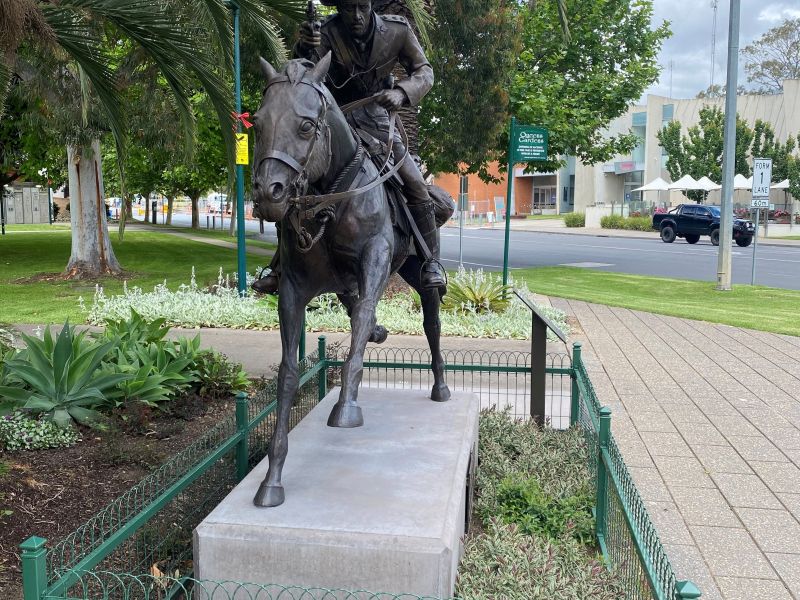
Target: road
[(776, 266)]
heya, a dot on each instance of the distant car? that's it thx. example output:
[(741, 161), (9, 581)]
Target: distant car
[(690, 221)]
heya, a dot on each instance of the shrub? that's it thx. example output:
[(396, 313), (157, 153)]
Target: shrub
[(638, 224), (575, 219), (62, 376), (503, 562), (518, 452), (522, 502), (611, 222), (218, 377), (19, 432), (476, 292)]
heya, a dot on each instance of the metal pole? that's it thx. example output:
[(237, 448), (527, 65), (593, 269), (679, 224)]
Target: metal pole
[(241, 257), (242, 421), (34, 568), (538, 369), (301, 347), (460, 231), (322, 382), (3, 210), (755, 247), (509, 195), (724, 259), (50, 202)]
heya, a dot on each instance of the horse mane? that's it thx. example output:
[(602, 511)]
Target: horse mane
[(296, 69)]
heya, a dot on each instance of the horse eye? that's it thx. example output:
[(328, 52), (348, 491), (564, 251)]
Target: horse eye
[(307, 126)]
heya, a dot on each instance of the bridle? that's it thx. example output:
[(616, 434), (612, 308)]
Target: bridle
[(310, 206)]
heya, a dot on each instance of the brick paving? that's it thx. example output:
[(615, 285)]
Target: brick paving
[(708, 419)]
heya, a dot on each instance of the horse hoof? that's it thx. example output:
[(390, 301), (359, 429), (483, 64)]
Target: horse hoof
[(379, 335), (440, 393), (345, 415), (269, 495)]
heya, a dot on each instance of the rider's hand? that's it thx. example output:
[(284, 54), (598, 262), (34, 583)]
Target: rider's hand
[(309, 36), (391, 99)]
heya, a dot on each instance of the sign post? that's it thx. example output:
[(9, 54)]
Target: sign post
[(762, 176), (463, 197), (525, 144)]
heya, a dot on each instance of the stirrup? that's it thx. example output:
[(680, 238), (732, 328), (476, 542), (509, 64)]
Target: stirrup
[(432, 275), (266, 284)]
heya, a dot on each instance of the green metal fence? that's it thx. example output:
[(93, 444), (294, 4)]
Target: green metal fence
[(148, 530)]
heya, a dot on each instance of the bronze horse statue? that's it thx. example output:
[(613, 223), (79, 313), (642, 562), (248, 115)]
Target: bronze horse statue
[(340, 234)]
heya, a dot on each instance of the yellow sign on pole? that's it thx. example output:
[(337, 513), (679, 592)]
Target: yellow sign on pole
[(242, 151)]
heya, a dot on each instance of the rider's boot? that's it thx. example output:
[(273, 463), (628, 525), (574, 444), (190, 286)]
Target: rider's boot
[(431, 275), (269, 283)]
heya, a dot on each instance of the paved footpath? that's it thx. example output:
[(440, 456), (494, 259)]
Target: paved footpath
[(708, 420)]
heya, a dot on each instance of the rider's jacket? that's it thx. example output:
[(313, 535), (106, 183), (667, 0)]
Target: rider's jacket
[(360, 68)]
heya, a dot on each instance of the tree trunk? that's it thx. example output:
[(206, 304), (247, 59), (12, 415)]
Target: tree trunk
[(170, 200), (129, 207), (195, 212), (92, 254)]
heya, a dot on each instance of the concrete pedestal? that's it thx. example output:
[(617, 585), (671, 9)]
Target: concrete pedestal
[(379, 508)]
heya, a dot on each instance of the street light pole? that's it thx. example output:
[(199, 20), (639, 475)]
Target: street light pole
[(240, 224), (724, 259)]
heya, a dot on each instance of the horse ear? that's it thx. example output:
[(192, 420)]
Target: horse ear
[(267, 70), (320, 70)]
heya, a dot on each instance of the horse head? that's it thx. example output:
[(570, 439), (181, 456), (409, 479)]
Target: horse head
[(293, 139)]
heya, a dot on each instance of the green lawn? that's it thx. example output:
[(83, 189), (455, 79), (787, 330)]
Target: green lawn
[(788, 237), (147, 257), (763, 308), (218, 234), (42, 227), (544, 217)]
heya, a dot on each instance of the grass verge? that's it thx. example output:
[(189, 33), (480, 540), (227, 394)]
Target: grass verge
[(216, 234), (147, 257), (758, 307), (544, 217)]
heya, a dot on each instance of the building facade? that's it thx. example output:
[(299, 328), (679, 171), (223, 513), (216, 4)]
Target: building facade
[(577, 186)]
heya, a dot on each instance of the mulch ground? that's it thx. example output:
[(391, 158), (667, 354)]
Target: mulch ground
[(49, 493)]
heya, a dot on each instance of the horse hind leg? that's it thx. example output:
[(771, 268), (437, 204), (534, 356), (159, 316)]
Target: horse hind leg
[(431, 301), (379, 332)]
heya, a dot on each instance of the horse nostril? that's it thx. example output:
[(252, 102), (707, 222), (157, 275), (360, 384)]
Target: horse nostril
[(256, 185), (276, 191)]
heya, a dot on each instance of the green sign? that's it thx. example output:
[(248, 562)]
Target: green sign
[(529, 144)]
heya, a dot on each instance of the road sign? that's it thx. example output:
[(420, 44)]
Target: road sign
[(762, 175), (759, 203), (529, 144)]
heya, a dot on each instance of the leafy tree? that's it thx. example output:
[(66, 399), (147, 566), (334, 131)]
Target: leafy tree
[(474, 48), (717, 90), (64, 53), (700, 153), (766, 146), (575, 88), (774, 56)]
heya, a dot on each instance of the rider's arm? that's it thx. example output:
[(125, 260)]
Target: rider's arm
[(301, 50), (420, 73)]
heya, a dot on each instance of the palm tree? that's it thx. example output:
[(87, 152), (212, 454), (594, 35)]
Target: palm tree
[(68, 53)]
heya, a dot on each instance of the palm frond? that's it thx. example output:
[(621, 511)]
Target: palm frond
[(5, 84), (80, 42), (563, 19), (422, 18)]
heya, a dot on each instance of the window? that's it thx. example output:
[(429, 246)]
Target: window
[(689, 210)]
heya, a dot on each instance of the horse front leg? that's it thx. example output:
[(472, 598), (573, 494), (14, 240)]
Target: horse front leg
[(290, 310), (374, 276)]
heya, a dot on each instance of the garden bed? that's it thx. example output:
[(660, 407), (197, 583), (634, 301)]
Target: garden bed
[(49, 493)]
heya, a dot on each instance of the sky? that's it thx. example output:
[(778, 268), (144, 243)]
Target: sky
[(689, 48)]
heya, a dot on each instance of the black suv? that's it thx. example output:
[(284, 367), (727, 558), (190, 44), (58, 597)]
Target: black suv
[(690, 221)]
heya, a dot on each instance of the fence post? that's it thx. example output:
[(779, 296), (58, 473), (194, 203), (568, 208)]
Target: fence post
[(576, 360), (242, 421), (323, 373), (34, 568), (686, 589), (601, 505)]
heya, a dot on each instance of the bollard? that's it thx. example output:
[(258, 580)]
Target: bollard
[(34, 568), (242, 421), (574, 410), (601, 505), (207, 222), (323, 373)]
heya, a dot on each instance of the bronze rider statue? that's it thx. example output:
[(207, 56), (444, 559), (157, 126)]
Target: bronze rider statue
[(365, 49)]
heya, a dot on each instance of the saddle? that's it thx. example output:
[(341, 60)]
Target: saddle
[(443, 204)]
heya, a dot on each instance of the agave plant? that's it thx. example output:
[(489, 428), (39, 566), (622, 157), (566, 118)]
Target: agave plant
[(135, 330), (155, 374), (477, 292), (62, 376)]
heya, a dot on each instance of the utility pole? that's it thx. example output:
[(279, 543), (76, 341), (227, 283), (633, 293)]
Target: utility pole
[(715, 6), (724, 259)]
